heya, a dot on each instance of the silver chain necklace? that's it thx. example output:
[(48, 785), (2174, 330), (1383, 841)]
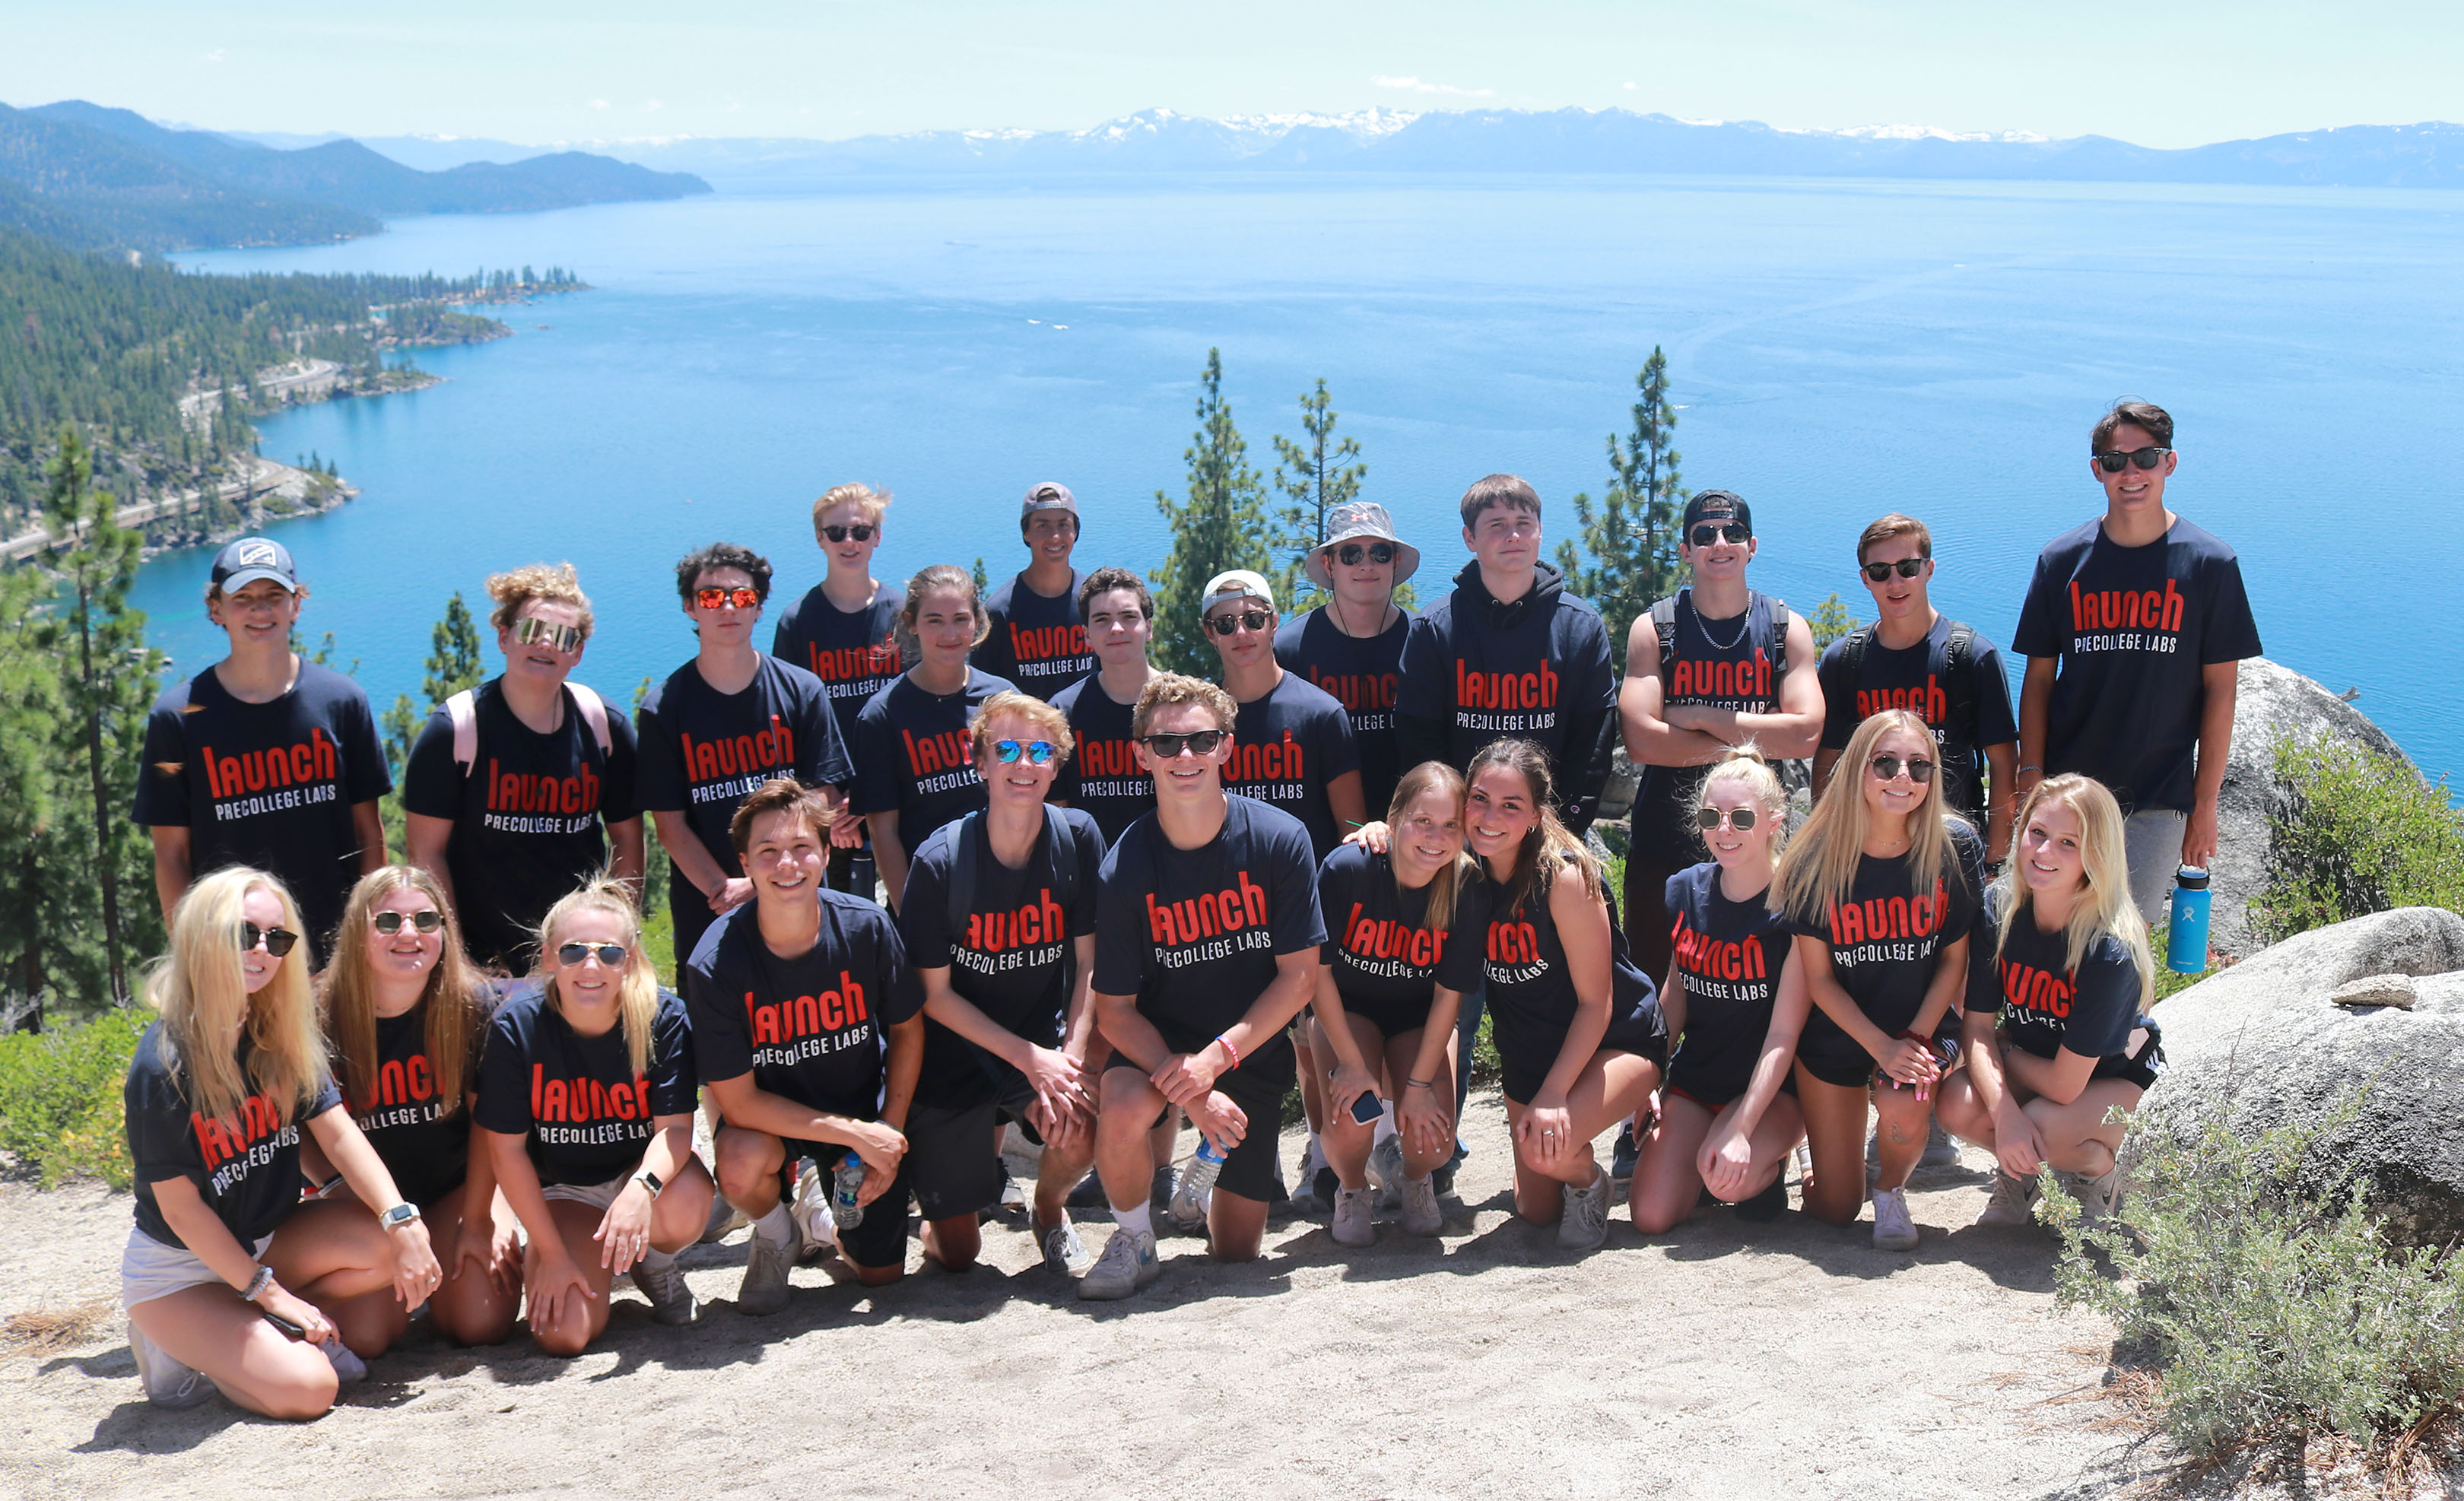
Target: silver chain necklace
[(1702, 624)]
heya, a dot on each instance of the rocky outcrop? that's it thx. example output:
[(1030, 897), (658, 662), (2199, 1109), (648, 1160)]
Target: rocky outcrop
[(2270, 1043)]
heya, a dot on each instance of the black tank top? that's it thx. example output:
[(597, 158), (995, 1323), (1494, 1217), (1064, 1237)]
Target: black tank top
[(1739, 669)]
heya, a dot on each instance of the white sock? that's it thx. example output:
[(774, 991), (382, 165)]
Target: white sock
[(1139, 1221), (778, 1227), (655, 1259)]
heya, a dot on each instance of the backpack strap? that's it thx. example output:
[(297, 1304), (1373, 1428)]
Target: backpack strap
[(463, 710), (1778, 648), (966, 835), (1663, 624), (1852, 652), (594, 712), (1065, 856), (1959, 694)]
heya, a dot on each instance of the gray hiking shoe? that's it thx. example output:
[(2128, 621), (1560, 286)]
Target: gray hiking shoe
[(1064, 1252), (1584, 1224), (1129, 1262), (166, 1382), (1386, 1172), (1355, 1217), (763, 1292), (1893, 1228), (671, 1300), (2014, 1203), (1417, 1200), (2098, 1196)]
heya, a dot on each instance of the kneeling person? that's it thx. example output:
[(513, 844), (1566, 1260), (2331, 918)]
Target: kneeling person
[(1206, 946), (999, 921), (807, 1034)]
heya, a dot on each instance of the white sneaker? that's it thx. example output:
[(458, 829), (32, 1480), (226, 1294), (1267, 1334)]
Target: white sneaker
[(1129, 1262), (1585, 1223), (811, 1209), (2014, 1203), (1354, 1216), (1386, 1171), (1422, 1215), (1893, 1229), (1064, 1252), (2098, 1196), (165, 1382)]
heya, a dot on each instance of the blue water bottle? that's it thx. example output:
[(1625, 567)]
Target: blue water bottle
[(2185, 946)]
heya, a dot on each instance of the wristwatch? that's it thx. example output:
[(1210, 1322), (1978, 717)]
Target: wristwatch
[(400, 1215), (649, 1181)]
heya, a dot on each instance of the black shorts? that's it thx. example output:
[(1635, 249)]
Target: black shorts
[(1524, 1061), (950, 1170), (1258, 1087), (2142, 1068), (1392, 1018), (1718, 1094)]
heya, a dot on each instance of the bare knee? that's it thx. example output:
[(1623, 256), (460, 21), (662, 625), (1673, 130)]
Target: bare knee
[(299, 1400), (880, 1276), (566, 1343)]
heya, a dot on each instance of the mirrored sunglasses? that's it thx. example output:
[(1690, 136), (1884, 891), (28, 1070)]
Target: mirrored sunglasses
[(532, 632), (1037, 753), (720, 598)]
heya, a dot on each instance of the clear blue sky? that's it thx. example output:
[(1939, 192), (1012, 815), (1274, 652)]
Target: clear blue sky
[(2172, 74)]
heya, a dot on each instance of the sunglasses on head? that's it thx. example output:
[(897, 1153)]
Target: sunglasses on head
[(1888, 768), (1906, 568), (1350, 554), (1037, 753), (1226, 625), (612, 955), (2111, 461), (532, 632), (1168, 747), (426, 920), (1705, 535), (720, 598), (861, 531), (1707, 818), (277, 942)]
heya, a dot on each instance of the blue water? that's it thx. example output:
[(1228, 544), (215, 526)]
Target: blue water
[(1841, 349)]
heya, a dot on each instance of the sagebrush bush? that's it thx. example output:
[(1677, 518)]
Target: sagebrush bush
[(60, 1097), (2355, 833), (2272, 1315)]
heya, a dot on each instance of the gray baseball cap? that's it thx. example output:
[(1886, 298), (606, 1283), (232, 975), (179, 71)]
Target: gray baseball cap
[(1048, 495), (252, 558)]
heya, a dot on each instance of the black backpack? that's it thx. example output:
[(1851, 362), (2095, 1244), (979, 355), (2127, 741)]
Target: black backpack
[(1958, 664), (1663, 624), (970, 845)]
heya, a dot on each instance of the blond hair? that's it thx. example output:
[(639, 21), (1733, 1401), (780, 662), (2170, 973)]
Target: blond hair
[(637, 988), (204, 1002), (864, 498), (2105, 906), (1047, 721), (447, 1005), (1164, 690), (1819, 866), (1446, 886), (1746, 765), (554, 582)]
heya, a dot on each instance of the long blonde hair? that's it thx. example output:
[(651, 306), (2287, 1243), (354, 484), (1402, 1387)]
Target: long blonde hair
[(1445, 886), (637, 988), (2105, 905), (1819, 865), (204, 1002), (1549, 844), (348, 996), (1746, 765)]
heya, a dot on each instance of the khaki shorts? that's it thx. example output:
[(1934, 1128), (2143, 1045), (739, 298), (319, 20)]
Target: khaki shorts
[(599, 1196)]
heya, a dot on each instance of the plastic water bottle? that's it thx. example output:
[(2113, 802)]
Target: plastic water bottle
[(862, 875), (1193, 1190), (844, 1183), (2185, 945)]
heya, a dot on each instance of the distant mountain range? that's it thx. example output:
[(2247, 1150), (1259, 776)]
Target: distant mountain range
[(92, 177), (2429, 155)]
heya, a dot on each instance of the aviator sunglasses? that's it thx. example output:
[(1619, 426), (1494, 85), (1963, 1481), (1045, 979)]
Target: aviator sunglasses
[(1906, 568), (612, 955), (1707, 818), (1037, 753), (1350, 554), (1226, 625), (1886, 768), (720, 598), (2111, 460), (1168, 747), (426, 920), (1705, 535), (277, 942), (532, 632), (861, 532)]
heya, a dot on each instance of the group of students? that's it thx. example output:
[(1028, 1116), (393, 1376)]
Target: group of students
[(1119, 898)]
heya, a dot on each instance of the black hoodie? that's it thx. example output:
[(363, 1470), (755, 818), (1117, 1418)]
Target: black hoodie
[(1537, 669)]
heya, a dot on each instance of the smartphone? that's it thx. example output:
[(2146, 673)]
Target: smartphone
[(283, 1324), (1368, 1107)]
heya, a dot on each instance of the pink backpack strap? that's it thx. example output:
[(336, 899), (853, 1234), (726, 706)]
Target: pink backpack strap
[(594, 709), (463, 710)]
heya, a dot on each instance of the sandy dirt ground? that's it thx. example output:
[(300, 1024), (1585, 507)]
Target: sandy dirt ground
[(1723, 1359)]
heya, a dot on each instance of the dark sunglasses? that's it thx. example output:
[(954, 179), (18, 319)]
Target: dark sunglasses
[(1037, 753), (861, 532), (720, 598), (1168, 747), (1705, 535), (390, 924), (1226, 625), (1888, 768), (1740, 818), (277, 942), (2111, 462), (612, 955), (1350, 554), (532, 632), (1906, 568)]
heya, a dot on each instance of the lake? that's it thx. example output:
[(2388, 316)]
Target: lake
[(1841, 349)]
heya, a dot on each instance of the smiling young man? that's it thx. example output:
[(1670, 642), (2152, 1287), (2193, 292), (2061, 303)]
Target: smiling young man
[(845, 631), (1038, 639), (517, 789), (1941, 670), (807, 1034), (2134, 627), (1207, 938), (1000, 922), (264, 758), (722, 725), (1351, 646), (1103, 776)]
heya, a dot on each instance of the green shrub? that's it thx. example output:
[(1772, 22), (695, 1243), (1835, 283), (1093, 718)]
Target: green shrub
[(2355, 833), (2271, 1317), (60, 1097)]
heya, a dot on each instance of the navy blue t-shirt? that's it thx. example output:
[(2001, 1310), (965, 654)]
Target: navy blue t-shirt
[(268, 785), (1728, 955), (2047, 1007), (1918, 678), (855, 654), (1036, 643), (1363, 674), (1887, 941), (813, 1028), (1288, 743), (1738, 665), (587, 1114), (527, 816), (915, 756), (1531, 997), (2131, 629), (423, 1139), (245, 1166), (1379, 939), (1103, 775)]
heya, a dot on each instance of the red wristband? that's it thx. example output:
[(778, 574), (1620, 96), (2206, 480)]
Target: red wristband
[(1225, 1043)]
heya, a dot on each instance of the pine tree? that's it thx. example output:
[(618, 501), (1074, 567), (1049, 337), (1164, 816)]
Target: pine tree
[(1315, 478), (1631, 537), (1830, 621), (29, 713), (454, 664), (1221, 525)]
